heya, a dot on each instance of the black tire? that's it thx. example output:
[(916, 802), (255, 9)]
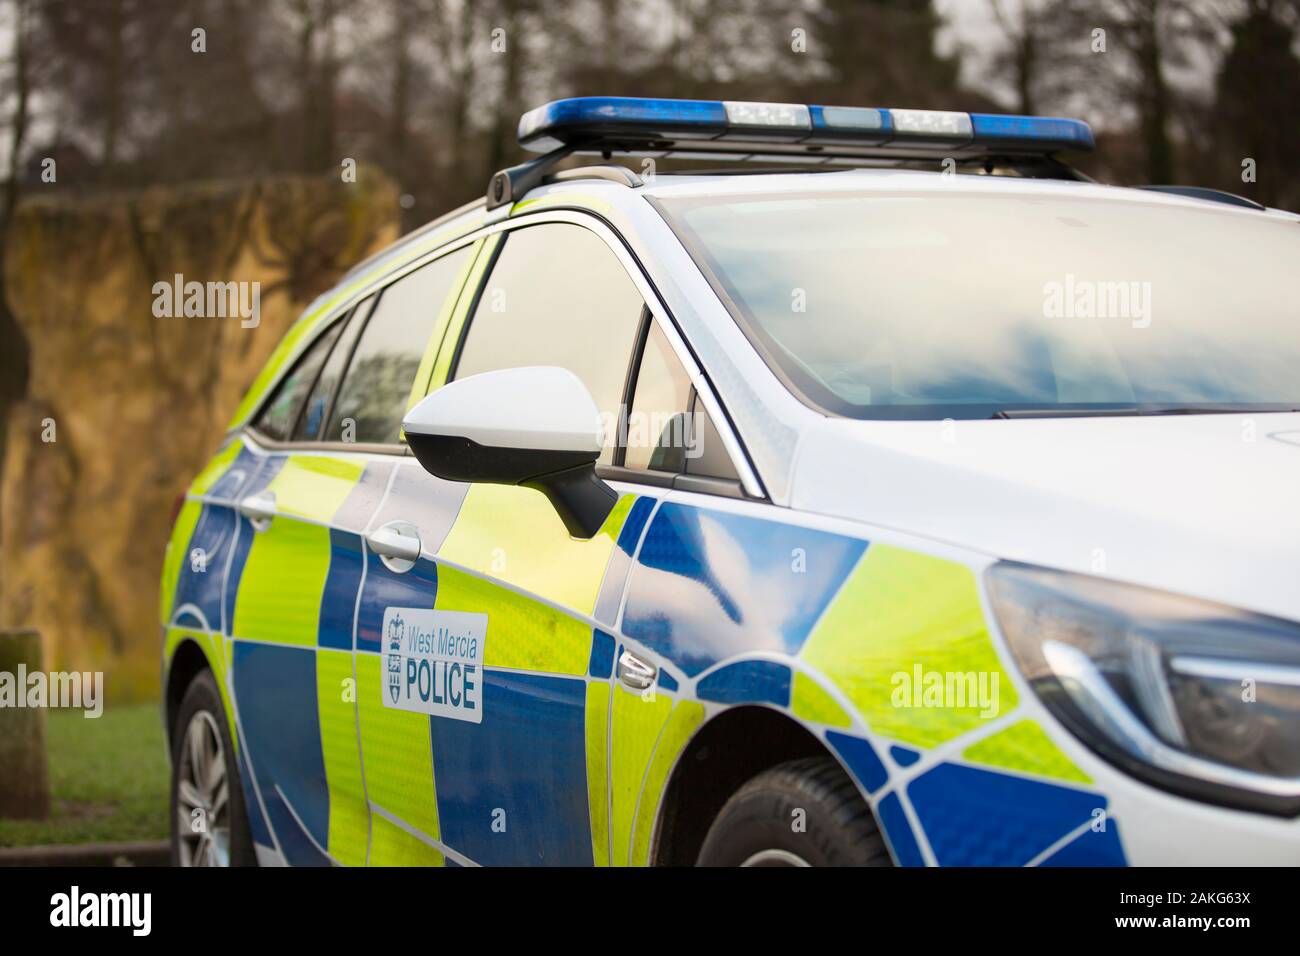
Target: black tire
[(202, 696), (758, 824)]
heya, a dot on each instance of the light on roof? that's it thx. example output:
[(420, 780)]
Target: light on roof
[(933, 123), (784, 115), (852, 118), (811, 133)]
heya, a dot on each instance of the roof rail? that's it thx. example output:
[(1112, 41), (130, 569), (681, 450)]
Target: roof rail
[(1209, 195), (610, 171), (510, 184)]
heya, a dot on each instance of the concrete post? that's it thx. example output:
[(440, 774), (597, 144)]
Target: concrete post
[(24, 775)]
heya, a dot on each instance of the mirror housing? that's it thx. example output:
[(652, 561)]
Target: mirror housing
[(536, 426)]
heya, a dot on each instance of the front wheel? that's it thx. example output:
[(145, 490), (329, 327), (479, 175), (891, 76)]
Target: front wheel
[(209, 826), (805, 812)]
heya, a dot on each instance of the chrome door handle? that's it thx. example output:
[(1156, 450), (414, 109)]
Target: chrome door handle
[(397, 544), (634, 672), (259, 509)]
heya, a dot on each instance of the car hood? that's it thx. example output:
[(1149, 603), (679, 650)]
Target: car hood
[(1207, 505)]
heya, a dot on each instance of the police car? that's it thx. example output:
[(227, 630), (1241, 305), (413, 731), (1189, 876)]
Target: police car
[(910, 499)]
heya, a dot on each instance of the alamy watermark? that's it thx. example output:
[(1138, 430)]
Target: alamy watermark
[(208, 300), (75, 690), (655, 429), (1089, 299), (133, 911), (959, 690)]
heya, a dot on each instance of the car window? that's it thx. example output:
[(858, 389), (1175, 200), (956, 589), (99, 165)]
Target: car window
[(657, 422), (709, 456), (373, 397), (281, 412), (667, 427), (557, 296), (317, 405), (916, 305)]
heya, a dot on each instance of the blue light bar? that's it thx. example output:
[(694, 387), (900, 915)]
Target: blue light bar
[(632, 124), (1050, 131)]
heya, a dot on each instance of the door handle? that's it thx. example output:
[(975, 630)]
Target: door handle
[(397, 544), (259, 509), (634, 672)]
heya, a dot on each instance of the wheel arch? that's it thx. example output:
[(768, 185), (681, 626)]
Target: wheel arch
[(188, 660), (726, 751)]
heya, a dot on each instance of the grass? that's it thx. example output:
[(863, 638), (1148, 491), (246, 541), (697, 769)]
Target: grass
[(108, 779)]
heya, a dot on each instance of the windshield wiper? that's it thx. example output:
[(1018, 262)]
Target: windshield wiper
[(1134, 410)]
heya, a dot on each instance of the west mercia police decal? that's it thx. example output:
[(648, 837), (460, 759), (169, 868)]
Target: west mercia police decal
[(433, 662)]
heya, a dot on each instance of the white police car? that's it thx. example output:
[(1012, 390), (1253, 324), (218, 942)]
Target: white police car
[(926, 503)]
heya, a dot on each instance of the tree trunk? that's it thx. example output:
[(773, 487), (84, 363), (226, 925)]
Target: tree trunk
[(1154, 104)]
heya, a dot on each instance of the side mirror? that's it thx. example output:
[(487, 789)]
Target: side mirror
[(537, 427)]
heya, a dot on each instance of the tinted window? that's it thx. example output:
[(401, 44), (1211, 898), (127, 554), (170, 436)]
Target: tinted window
[(313, 416), (557, 296), (281, 413), (667, 427), (375, 391)]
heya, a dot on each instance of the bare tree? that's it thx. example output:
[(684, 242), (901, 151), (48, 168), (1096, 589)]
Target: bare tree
[(1258, 85), (1041, 52), (18, 83), (18, 80), (1152, 37)]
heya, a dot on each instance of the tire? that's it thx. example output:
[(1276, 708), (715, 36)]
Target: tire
[(757, 825), (201, 724)]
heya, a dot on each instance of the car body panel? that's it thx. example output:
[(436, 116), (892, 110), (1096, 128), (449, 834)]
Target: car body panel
[(810, 598), (1197, 504)]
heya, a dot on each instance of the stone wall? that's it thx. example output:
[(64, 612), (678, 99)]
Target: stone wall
[(134, 403)]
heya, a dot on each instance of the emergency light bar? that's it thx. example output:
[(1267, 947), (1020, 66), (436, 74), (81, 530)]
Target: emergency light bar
[(776, 132), (657, 126)]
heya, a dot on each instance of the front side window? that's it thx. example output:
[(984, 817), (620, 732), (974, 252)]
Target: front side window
[(373, 397), (658, 423), (279, 417), (558, 296), (913, 305), (667, 428)]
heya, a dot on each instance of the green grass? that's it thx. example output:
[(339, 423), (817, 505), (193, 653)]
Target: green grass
[(108, 779)]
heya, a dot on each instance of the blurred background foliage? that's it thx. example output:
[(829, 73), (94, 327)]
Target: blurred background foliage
[(224, 163), (431, 90)]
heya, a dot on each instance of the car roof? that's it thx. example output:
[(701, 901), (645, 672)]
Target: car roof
[(670, 186), (691, 186)]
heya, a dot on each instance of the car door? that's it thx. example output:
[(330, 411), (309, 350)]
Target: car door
[(389, 369), (328, 443), (523, 780), (276, 577)]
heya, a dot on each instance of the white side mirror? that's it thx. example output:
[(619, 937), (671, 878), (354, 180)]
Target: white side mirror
[(536, 426)]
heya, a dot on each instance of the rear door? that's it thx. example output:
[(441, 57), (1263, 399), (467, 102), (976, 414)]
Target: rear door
[(390, 369), (279, 573), (329, 447)]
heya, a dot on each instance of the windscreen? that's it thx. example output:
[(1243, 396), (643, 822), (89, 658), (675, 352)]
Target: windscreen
[(966, 306)]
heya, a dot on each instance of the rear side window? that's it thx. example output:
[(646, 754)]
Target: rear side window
[(557, 296), (280, 415), (375, 390), (318, 402)]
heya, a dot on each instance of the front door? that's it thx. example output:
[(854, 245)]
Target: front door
[(524, 780)]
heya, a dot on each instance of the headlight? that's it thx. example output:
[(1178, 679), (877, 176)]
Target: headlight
[(1192, 696)]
